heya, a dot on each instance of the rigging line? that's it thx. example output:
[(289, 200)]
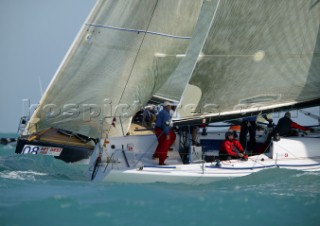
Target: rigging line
[(137, 30), (136, 57)]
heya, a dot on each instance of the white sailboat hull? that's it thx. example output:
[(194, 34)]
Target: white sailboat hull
[(300, 153), (193, 174)]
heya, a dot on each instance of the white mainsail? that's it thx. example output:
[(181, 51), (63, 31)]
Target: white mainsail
[(258, 55), (123, 54)]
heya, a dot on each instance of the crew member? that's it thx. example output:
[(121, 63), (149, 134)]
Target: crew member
[(164, 133), (231, 148), (285, 125)]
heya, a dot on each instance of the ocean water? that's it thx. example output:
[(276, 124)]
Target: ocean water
[(40, 190)]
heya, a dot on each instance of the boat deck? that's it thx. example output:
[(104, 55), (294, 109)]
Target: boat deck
[(53, 136)]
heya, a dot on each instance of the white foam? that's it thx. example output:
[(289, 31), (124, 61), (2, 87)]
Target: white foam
[(20, 175)]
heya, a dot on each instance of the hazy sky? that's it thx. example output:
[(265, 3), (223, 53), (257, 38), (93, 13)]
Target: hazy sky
[(35, 36)]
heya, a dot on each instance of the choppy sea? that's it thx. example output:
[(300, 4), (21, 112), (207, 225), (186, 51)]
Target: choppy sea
[(41, 190)]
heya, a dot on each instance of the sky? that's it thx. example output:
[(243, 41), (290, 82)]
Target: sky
[(35, 36)]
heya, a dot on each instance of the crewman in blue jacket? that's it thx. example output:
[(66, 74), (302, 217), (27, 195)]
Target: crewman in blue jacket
[(164, 133)]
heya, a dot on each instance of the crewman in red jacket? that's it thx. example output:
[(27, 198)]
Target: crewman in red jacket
[(231, 148)]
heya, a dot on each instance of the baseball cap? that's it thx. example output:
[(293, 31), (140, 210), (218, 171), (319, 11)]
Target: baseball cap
[(166, 103)]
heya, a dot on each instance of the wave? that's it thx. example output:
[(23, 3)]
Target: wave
[(21, 175), (278, 182), (17, 166)]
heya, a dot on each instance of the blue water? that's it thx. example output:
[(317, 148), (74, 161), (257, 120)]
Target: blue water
[(40, 190)]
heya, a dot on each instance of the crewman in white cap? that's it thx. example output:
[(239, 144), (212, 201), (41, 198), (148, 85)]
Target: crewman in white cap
[(164, 133)]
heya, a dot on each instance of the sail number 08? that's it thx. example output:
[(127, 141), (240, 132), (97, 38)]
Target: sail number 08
[(33, 149)]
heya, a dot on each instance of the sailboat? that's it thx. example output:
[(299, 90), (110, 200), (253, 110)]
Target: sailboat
[(220, 59), (112, 69)]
